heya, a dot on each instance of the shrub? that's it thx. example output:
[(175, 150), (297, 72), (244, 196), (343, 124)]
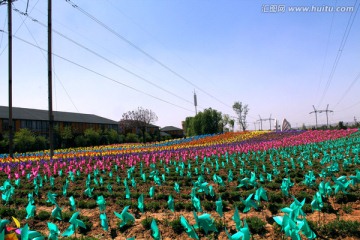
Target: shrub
[(341, 228), (147, 222), (176, 226), (256, 225), (43, 215)]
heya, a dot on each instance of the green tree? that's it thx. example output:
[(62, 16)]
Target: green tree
[(241, 111), (207, 122), (92, 136), (24, 140), (66, 136)]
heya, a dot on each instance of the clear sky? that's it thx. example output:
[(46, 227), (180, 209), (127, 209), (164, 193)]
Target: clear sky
[(261, 53)]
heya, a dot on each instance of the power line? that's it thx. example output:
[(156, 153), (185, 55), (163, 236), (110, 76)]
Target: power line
[(141, 50), (349, 88), (101, 75), (106, 59), (340, 51)]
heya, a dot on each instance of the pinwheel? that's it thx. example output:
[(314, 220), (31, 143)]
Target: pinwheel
[(260, 194), (188, 228), (57, 212), (245, 182), (104, 221), (72, 203), (354, 180), (236, 219), (155, 230), (205, 222), (211, 191), (242, 234), (309, 179), (317, 203), (53, 231), (171, 203), (125, 216), (249, 203), (101, 202), (28, 234), (152, 192), (51, 198), (325, 189), (341, 184), (196, 203), (74, 224), (219, 207), (141, 203), (109, 188), (30, 210), (177, 187), (88, 192)]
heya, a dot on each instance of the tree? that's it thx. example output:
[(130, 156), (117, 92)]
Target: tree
[(207, 122), (139, 119), (24, 140), (228, 123), (66, 136), (241, 111)]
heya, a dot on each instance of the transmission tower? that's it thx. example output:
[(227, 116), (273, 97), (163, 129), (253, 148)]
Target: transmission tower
[(270, 119), (315, 111), (321, 111), (261, 120)]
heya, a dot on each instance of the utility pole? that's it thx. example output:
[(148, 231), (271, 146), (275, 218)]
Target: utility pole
[(195, 102), (327, 117), (261, 120), (315, 111), (255, 126), (270, 119), (321, 111), (11, 130), (51, 116)]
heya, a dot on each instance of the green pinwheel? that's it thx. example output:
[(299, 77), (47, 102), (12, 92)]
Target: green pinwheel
[(341, 184), (325, 189), (30, 210), (72, 203), (57, 212), (104, 221), (219, 207), (354, 180), (53, 231), (205, 222), (249, 203), (124, 216), (101, 203), (171, 203), (177, 187), (260, 194), (141, 203), (317, 203), (188, 228), (155, 230), (196, 203), (88, 192), (51, 198), (28, 234), (152, 192), (74, 224), (236, 219)]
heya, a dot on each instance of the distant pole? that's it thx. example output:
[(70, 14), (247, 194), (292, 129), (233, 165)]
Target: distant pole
[(11, 130), (327, 117), (315, 111), (195, 102), (51, 116), (270, 119)]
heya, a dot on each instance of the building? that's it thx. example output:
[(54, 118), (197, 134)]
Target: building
[(132, 126), (38, 120), (174, 132)]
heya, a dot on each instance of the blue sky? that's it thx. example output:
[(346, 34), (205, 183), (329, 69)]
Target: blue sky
[(278, 63)]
